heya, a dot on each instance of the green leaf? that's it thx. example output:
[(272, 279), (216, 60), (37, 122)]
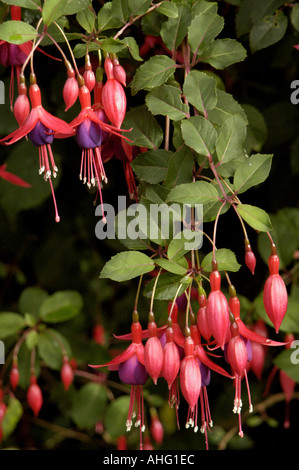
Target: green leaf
[(180, 244), (171, 266), (288, 362), (255, 217), (253, 171), (88, 405), (10, 324), (86, 19), (226, 106), (32, 339), (146, 132), (50, 343), (167, 100), (122, 220), (32, 5), (175, 29), (179, 168), (120, 9), (12, 416), (132, 47), (256, 129), (111, 45), (74, 6), (224, 52), (199, 134), (52, 10), (156, 71), (229, 145), (152, 165), (127, 265), (226, 260), (31, 300), (17, 32), (203, 29), (200, 91), (61, 306), (268, 31), (294, 16), (138, 7), (116, 416), (106, 18), (199, 192), (168, 9), (167, 286)]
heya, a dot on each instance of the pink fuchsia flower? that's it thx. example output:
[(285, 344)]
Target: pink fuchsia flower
[(153, 351), (41, 126), (217, 309), (237, 356), (131, 370), (275, 294)]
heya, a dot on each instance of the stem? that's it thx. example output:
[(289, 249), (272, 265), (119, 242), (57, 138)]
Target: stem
[(58, 47), (132, 20), (241, 221), (69, 47), (138, 293), (154, 290), (188, 305), (34, 46), (167, 128), (215, 229)]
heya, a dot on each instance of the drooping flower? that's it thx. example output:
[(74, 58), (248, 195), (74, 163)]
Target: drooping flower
[(217, 309), (41, 126), (113, 96), (131, 370), (153, 351), (275, 294)]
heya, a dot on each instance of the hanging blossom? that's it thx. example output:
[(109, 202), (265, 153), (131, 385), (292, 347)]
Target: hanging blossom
[(131, 371), (41, 127)]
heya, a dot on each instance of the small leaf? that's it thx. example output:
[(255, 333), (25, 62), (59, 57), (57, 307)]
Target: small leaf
[(253, 171), (17, 32), (229, 145), (12, 416), (180, 244), (52, 10), (156, 71), (106, 19), (171, 266), (116, 416), (127, 265), (179, 168), (138, 7), (269, 30), (166, 100), (168, 9), (226, 107), (152, 166), (50, 344), (226, 261), (24, 3), (199, 134), (146, 132), (175, 29), (224, 52), (61, 306), (203, 29), (200, 90), (86, 19), (199, 192), (88, 405), (167, 286), (31, 299), (255, 217), (10, 324)]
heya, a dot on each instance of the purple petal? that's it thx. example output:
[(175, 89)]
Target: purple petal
[(89, 135), (41, 135), (132, 372)]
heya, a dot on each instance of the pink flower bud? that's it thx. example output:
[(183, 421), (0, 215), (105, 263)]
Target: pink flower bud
[(119, 73), (156, 428), (34, 397), (171, 359), (109, 69), (202, 320), (217, 310), (67, 375), (70, 92), (190, 377), (275, 294), (250, 259), (237, 352), (114, 102), (3, 408), (14, 376), (153, 353)]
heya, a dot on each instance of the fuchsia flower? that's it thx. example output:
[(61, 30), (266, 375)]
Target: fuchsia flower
[(41, 127), (217, 309), (250, 259), (131, 370), (153, 352), (275, 293)]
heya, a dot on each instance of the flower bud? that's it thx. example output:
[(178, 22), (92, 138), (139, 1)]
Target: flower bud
[(89, 75), (171, 359), (275, 294), (190, 376), (156, 428), (67, 374), (217, 310), (237, 352), (14, 376), (153, 353), (202, 320), (34, 397), (250, 259), (119, 73), (114, 102)]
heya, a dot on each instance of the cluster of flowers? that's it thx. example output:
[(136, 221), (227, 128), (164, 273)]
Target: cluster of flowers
[(97, 126), (181, 357)]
